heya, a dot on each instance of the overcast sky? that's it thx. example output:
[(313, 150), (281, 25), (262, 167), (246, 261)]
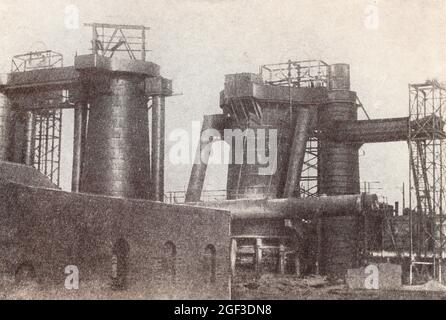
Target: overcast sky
[(197, 42)]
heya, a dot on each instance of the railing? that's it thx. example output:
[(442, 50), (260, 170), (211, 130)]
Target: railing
[(207, 195), (258, 192), (36, 60), (307, 73)]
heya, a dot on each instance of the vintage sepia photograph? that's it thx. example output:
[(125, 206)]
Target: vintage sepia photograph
[(244, 151)]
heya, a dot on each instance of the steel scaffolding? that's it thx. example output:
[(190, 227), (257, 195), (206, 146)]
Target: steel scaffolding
[(108, 39), (48, 128), (46, 108), (306, 73), (309, 176), (427, 151), (36, 60)]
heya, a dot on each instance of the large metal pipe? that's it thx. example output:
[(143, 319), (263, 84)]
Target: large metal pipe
[(370, 131), (4, 127), (77, 149), (28, 151), (305, 117), (382, 130), (117, 153), (199, 167), (302, 208), (158, 133)]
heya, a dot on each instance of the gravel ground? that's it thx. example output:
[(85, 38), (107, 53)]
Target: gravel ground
[(276, 287), (267, 287)]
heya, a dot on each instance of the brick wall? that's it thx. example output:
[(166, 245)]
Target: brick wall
[(51, 229)]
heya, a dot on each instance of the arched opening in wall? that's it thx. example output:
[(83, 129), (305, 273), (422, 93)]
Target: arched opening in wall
[(120, 264), (25, 272), (210, 263), (170, 254)]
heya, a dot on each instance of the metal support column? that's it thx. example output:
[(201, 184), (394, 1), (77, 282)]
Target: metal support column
[(258, 257), (28, 152), (196, 181), (77, 149), (158, 132), (233, 255), (282, 258), (4, 127), (303, 128)]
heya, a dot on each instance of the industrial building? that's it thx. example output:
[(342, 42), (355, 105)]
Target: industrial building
[(306, 217)]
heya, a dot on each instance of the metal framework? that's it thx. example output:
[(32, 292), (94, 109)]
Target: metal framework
[(306, 73), (245, 110), (309, 176), (47, 113), (36, 60), (427, 152), (108, 39), (47, 151)]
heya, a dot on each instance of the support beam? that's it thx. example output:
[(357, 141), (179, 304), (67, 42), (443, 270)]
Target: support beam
[(84, 135), (77, 149), (5, 119), (43, 79), (258, 257), (282, 258), (199, 168), (303, 128), (196, 181), (319, 234), (233, 255), (28, 152), (158, 132)]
